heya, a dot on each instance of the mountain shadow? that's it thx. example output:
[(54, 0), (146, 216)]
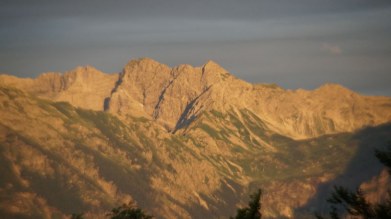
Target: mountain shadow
[(361, 168)]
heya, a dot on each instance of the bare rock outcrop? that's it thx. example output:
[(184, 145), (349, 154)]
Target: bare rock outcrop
[(84, 87), (175, 97)]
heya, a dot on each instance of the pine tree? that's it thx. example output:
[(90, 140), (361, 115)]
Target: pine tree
[(128, 211), (253, 211), (77, 216), (355, 204)]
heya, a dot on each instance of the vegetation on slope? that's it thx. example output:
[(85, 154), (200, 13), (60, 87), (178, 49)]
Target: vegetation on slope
[(93, 160)]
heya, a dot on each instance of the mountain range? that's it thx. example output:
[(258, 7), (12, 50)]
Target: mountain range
[(182, 142)]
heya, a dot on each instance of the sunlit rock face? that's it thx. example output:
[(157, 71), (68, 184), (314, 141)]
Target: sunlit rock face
[(182, 142), (176, 96), (84, 87)]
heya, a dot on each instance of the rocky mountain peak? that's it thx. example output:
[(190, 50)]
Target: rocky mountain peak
[(86, 69), (81, 75), (176, 96), (211, 66), (185, 68), (144, 64), (334, 89), (163, 93)]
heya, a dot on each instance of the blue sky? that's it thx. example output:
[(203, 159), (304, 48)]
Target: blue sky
[(294, 43)]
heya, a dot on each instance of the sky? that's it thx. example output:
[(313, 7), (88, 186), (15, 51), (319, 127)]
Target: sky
[(293, 43)]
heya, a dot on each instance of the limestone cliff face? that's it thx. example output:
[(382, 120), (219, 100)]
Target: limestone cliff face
[(175, 97), (84, 87), (169, 95), (139, 88)]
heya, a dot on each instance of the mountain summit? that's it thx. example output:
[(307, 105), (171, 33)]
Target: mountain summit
[(175, 96)]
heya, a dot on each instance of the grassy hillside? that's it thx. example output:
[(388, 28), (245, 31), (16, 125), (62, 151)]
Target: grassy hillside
[(57, 159)]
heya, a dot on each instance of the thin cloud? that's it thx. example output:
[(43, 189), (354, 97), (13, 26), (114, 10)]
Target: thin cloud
[(260, 41), (332, 49)]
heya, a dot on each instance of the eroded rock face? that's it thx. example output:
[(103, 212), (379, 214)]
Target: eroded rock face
[(169, 95), (84, 87), (175, 97)]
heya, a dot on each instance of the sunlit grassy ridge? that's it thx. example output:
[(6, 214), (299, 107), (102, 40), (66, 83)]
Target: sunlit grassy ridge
[(289, 158), (272, 161)]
